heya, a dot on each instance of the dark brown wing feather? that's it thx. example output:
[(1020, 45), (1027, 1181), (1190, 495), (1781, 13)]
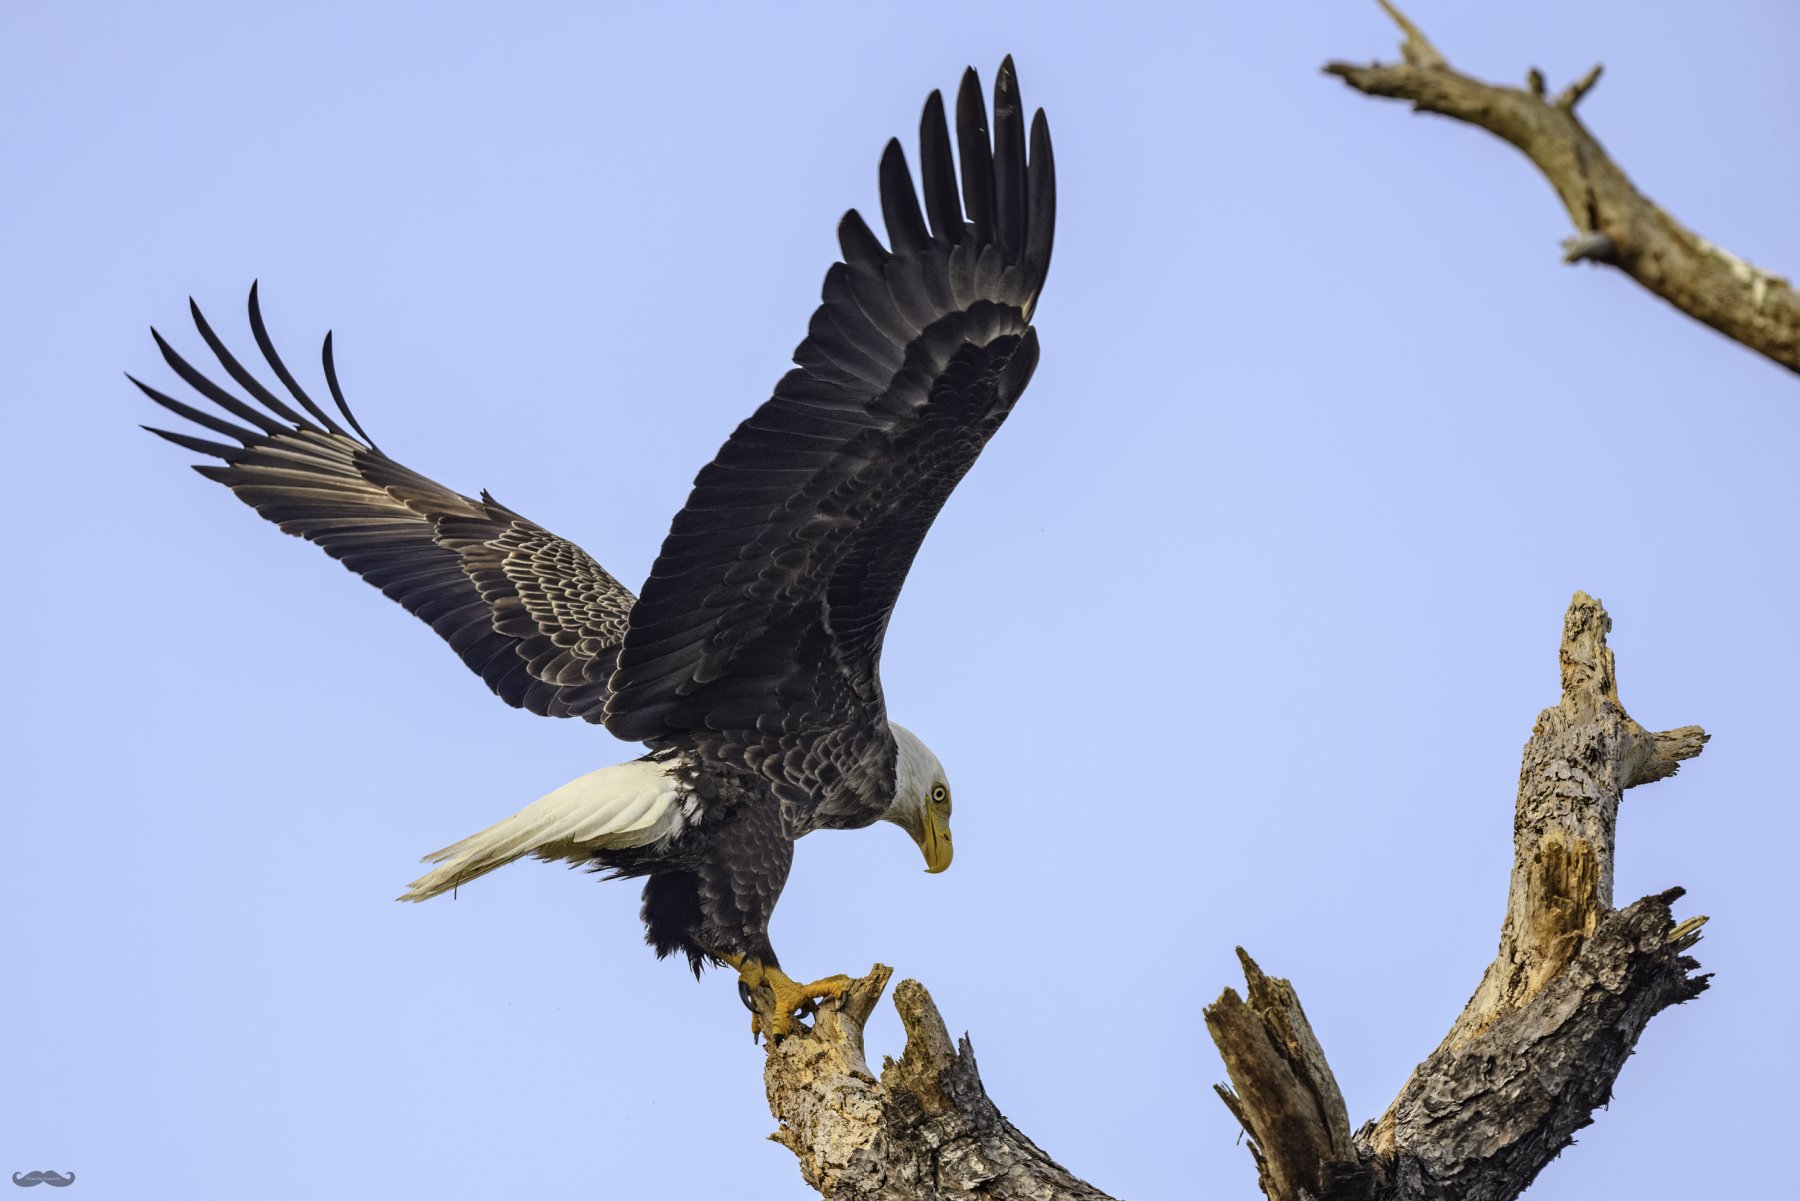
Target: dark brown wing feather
[(766, 609), (530, 613)]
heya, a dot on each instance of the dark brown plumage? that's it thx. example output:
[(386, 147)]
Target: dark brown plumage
[(750, 663)]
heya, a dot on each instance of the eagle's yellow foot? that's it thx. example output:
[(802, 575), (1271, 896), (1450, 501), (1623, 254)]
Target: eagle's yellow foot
[(775, 1001)]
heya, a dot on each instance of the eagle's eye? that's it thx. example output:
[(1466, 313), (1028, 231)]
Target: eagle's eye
[(939, 794)]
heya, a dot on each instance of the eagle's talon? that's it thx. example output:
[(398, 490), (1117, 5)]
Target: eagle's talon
[(777, 1003)]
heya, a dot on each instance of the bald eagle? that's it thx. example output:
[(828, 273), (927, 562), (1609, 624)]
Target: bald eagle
[(748, 664)]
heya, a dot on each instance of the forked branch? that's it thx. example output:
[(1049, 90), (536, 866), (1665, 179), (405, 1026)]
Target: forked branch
[(1539, 1045), (1532, 1056)]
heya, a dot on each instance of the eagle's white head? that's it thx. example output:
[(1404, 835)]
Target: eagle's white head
[(921, 804)]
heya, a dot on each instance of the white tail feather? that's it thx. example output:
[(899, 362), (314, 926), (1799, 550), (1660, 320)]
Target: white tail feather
[(630, 805)]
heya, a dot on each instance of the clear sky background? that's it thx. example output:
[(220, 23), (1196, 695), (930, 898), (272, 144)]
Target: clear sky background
[(1233, 635)]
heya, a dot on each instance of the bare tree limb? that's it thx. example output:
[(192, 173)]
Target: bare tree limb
[(1539, 1045), (925, 1128), (1615, 223)]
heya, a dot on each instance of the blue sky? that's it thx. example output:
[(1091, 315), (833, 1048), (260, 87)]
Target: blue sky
[(1233, 635)]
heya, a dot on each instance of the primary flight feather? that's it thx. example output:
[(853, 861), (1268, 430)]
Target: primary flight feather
[(749, 663)]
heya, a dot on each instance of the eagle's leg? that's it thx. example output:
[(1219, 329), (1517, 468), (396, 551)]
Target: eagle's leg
[(775, 1000)]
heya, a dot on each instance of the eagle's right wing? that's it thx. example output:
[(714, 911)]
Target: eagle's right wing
[(530, 613)]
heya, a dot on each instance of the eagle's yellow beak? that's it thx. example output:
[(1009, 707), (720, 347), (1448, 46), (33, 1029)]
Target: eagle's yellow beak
[(936, 842)]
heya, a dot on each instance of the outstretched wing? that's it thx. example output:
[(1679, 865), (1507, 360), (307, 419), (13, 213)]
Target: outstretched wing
[(766, 609), (530, 613)]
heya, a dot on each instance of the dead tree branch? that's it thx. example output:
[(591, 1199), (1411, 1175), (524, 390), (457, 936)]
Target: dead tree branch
[(1615, 223), (1532, 1055), (1539, 1045), (924, 1128)]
